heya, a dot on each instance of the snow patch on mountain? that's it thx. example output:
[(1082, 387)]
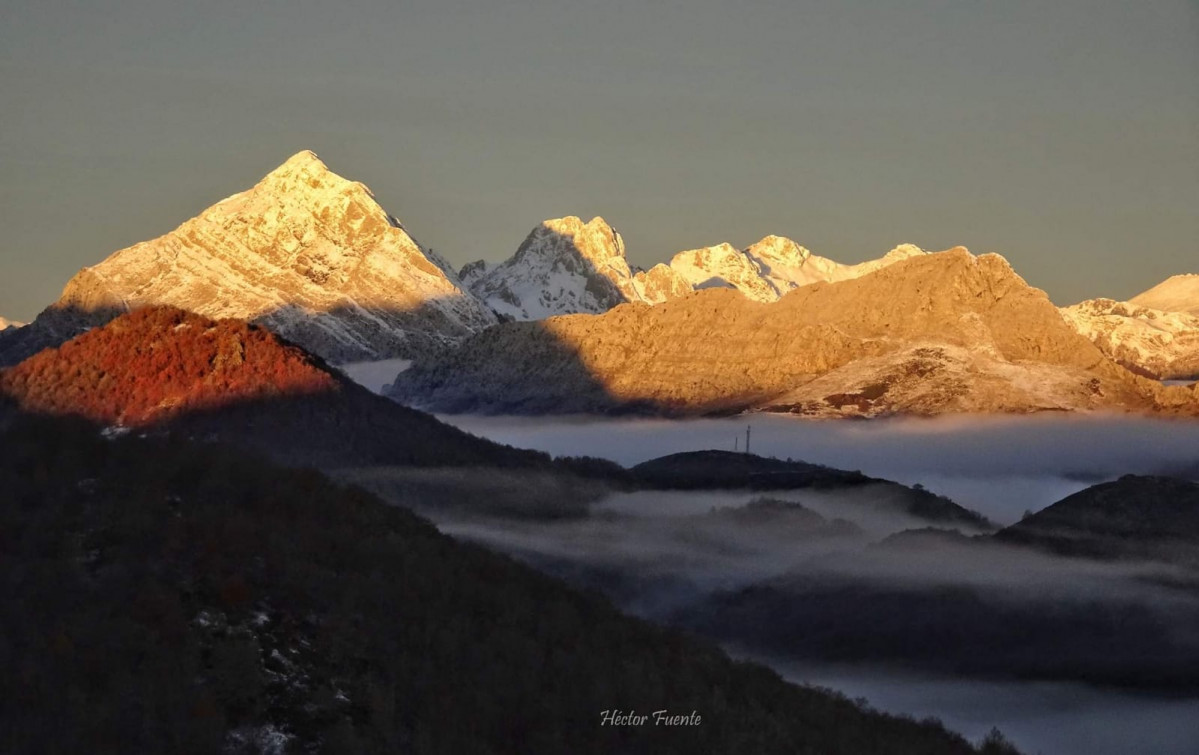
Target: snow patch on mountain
[(766, 270), (787, 265), (1152, 342), (6, 324), (723, 266)]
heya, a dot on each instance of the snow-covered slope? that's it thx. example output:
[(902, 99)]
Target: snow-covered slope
[(1177, 294), (773, 266), (305, 252), (564, 266), (1164, 345), (722, 266), (660, 283)]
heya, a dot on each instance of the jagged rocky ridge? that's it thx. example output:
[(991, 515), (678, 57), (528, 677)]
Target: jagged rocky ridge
[(305, 252), (566, 266), (930, 334)]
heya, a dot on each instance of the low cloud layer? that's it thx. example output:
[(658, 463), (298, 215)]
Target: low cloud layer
[(999, 466)]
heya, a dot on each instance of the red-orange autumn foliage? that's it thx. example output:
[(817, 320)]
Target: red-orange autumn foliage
[(156, 362)]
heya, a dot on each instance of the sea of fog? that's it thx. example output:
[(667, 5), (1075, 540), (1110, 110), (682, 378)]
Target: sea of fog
[(998, 466), (655, 552)]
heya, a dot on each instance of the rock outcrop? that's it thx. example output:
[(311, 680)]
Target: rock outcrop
[(1152, 342), (929, 334), (305, 252)]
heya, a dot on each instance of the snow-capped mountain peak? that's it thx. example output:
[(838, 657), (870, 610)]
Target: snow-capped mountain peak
[(6, 324), (564, 266), (724, 266), (305, 252)]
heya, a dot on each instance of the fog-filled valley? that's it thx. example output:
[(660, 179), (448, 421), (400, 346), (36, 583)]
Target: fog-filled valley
[(844, 586), (998, 466)]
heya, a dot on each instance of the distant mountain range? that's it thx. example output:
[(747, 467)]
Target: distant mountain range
[(928, 334), (7, 324), (312, 256), (566, 266)]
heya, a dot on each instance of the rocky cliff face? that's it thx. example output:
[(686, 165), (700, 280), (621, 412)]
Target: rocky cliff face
[(564, 266), (1177, 294), (305, 252), (1162, 345), (929, 334)]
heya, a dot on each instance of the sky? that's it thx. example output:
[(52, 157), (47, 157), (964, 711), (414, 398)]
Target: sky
[(1062, 135)]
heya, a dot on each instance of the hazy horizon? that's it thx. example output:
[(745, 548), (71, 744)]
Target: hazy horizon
[(1064, 137)]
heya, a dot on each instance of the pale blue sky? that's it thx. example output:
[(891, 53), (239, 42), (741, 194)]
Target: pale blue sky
[(1063, 135)]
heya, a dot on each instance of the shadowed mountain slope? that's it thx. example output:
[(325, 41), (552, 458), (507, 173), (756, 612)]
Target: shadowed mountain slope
[(1132, 517)]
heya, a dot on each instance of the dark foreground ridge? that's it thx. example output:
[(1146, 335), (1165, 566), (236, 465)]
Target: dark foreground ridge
[(1134, 517), (164, 596)]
